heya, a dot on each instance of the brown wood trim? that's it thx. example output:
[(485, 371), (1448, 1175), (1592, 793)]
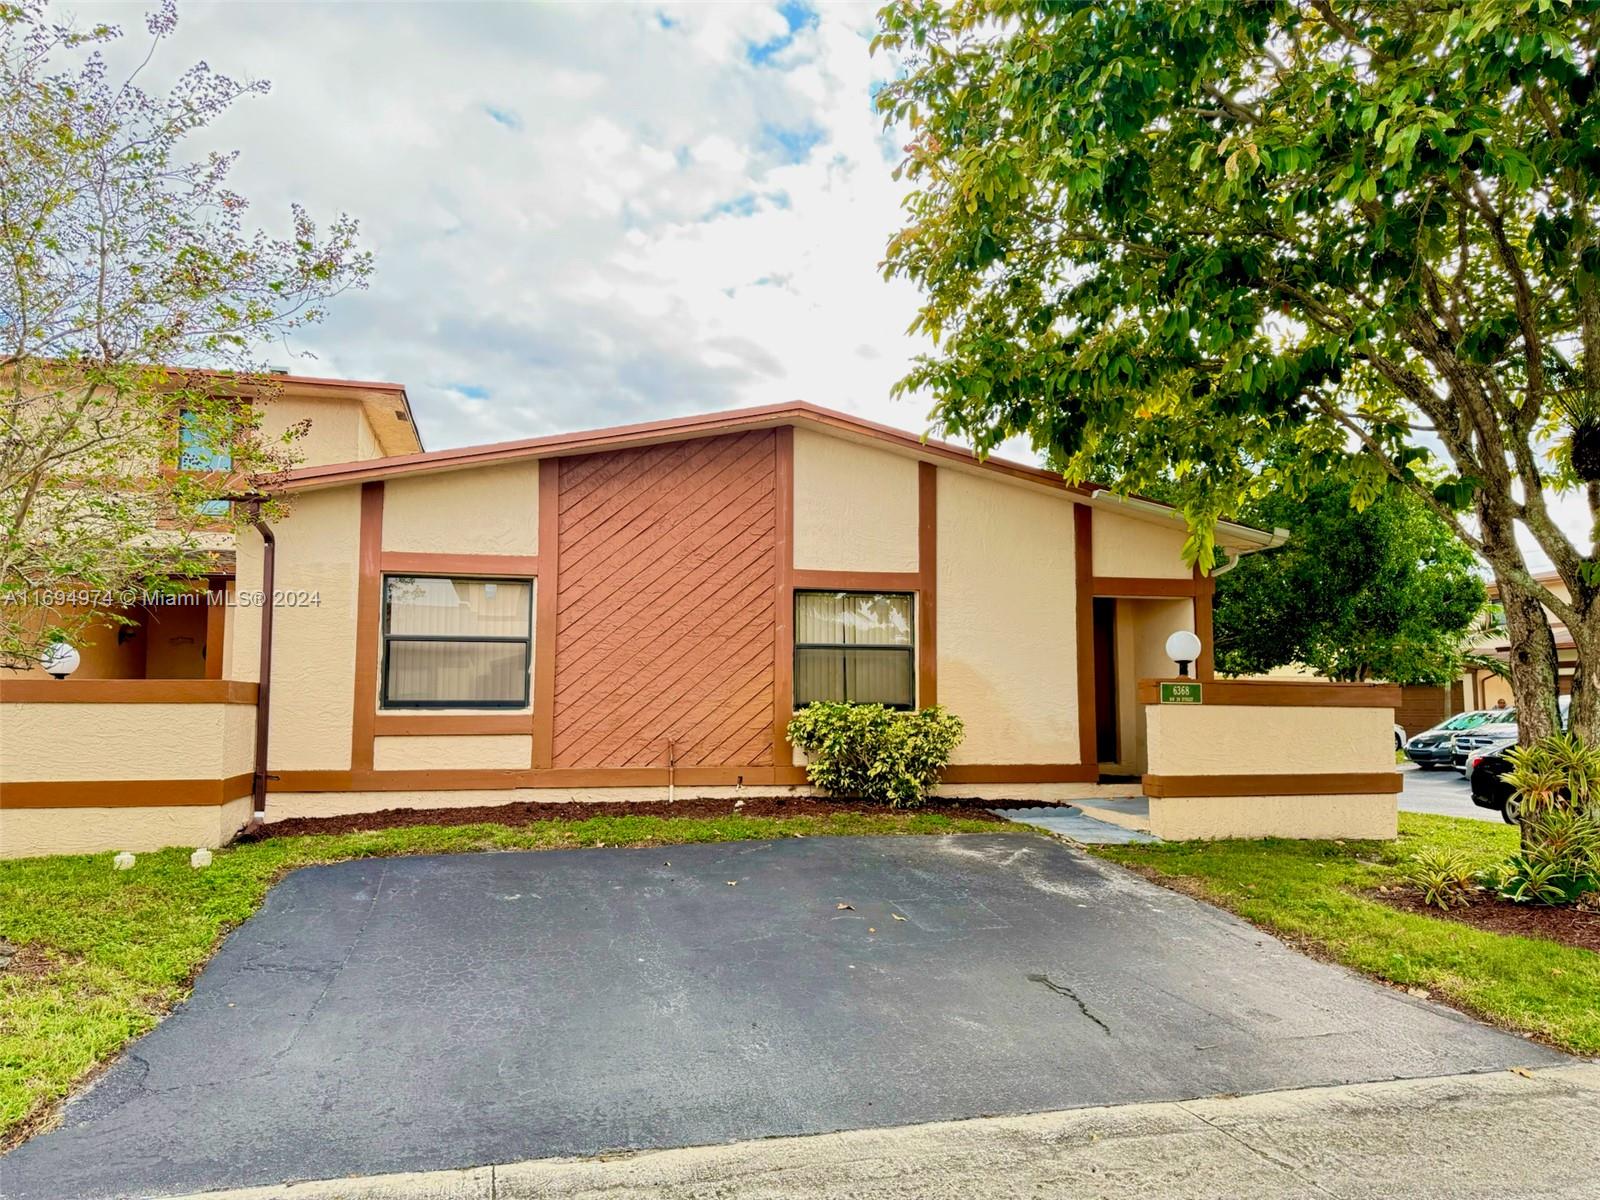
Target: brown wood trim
[(126, 793), (783, 624), (126, 691), (928, 587), (602, 777), (1276, 693), (451, 724), (545, 615), (216, 634), (369, 620), (858, 581), (1021, 773), (1344, 784), (1204, 604), (460, 564), (1083, 564), (1141, 587)]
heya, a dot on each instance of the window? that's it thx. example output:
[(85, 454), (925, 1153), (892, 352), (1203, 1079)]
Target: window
[(854, 646), (195, 453), (456, 643)]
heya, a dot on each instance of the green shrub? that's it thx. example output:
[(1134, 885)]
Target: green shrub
[(875, 753), (1445, 877), (1559, 861), (1557, 772), (1553, 784)]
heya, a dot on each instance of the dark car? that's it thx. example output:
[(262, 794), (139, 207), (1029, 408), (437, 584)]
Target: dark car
[(1489, 788), (1433, 747)]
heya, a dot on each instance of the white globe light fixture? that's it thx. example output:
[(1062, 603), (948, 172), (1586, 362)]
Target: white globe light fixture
[(1183, 648), (60, 660)]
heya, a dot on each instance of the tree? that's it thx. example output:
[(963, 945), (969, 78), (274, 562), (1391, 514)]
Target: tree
[(1387, 592), (1189, 229), (125, 266)]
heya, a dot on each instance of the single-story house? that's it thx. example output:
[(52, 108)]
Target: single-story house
[(636, 612)]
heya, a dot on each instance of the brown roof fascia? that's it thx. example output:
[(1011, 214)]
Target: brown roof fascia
[(680, 428), (649, 432)]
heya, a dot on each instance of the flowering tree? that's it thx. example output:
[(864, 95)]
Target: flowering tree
[(133, 300), (1179, 234)]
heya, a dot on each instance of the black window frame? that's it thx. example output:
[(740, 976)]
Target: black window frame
[(910, 649), (384, 702)]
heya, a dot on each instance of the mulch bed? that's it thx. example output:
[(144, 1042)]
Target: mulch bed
[(1571, 926), (527, 812)]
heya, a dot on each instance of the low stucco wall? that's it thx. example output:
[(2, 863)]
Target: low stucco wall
[(28, 832), (1263, 759), (1182, 818), (1262, 740), (41, 743), (80, 775)]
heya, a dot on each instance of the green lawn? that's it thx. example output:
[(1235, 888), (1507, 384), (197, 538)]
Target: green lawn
[(1309, 892), (104, 954)]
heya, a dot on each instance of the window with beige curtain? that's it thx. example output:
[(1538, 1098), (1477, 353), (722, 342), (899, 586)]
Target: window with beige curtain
[(456, 643), (854, 646)]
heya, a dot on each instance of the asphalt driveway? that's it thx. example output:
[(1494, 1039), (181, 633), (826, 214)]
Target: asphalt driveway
[(1445, 792), (421, 1013)]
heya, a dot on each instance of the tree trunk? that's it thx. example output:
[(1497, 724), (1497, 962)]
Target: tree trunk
[(1534, 665), (1535, 668), (1585, 715)]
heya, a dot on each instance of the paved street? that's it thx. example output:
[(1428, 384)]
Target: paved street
[(446, 1012), (1442, 791)]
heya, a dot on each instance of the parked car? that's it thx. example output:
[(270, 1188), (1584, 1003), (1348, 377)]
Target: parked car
[(1489, 789), (1399, 738), (1493, 735), (1489, 738), (1431, 748)]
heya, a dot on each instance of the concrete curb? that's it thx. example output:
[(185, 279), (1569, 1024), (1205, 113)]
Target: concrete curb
[(1511, 1133)]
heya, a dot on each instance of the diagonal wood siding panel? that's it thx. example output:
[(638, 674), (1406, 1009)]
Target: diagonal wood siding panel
[(666, 604)]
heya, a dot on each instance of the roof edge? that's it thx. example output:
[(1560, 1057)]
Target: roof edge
[(1247, 538)]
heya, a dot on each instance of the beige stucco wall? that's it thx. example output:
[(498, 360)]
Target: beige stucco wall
[(452, 753), (1007, 620), (1225, 739), (71, 742), (336, 428), (314, 645), (27, 832), (1143, 627), (481, 510), (855, 506), (1183, 817), (1131, 547)]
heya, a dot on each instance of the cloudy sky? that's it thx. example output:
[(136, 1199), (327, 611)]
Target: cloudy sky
[(583, 214)]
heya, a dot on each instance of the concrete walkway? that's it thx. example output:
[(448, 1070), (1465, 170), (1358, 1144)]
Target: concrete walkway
[(1070, 822), (1459, 1136)]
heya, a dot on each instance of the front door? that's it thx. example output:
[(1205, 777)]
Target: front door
[(1105, 680)]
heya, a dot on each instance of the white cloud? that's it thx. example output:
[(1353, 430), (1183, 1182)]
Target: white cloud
[(582, 214)]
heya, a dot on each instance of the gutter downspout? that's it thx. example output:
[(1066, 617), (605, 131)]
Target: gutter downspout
[(1279, 537), (269, 555)]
